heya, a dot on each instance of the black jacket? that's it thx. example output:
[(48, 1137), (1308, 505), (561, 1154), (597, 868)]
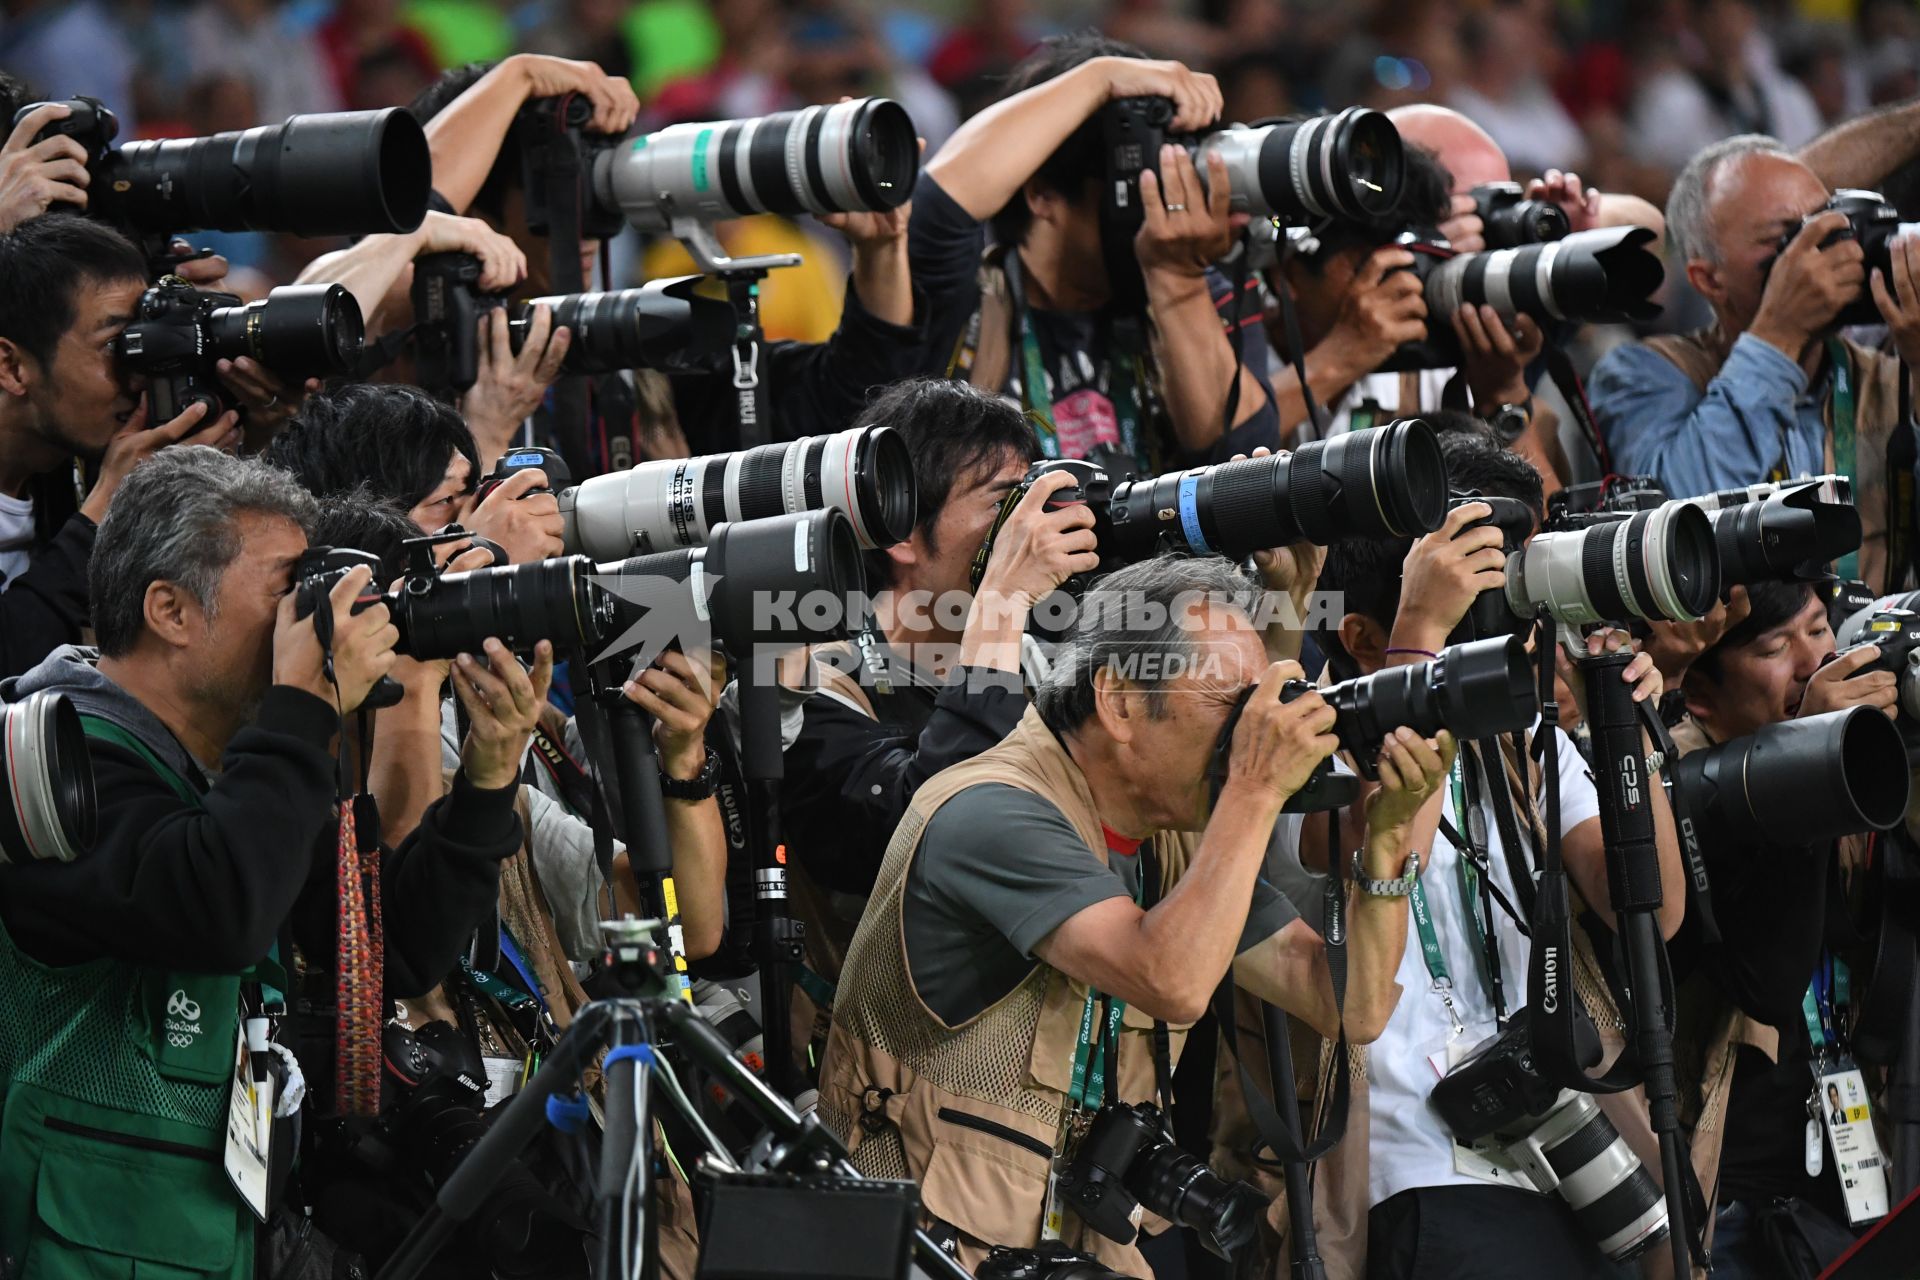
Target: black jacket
[(46, 606), (211, 888)]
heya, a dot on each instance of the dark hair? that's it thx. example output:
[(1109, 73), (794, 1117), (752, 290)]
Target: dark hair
[(15, 93), (1075, 163), (1772, 604), (395, 440), (362, 519), (1426, 197), (44, 263), (437, 97), (953, 431), (174, 520), (1367, 571)]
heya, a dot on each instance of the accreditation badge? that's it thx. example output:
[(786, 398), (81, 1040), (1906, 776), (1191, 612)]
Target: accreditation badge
[(1856, 1149), (249, 1125)]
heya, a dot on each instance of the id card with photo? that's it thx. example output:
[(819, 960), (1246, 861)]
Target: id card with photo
[(249, 1130), (1856, 1149)]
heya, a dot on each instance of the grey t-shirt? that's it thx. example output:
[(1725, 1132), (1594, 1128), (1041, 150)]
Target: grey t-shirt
[(998, 869)]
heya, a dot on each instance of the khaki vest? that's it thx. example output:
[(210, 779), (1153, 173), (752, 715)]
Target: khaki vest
[(973, 1112), (1876, 382)]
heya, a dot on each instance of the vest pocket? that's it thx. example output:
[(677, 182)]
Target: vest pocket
[(130, 1208), (980, 1124), (986, 1179)]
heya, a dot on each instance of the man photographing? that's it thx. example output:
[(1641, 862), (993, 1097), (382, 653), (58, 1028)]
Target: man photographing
[(213, 711), (1086, 862), (1142, 393)]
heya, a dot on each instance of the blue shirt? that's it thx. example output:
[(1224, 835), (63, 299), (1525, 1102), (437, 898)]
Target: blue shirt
[(1757, 412)]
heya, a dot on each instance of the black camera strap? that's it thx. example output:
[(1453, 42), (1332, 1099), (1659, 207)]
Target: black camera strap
[(1699, 889), (1560, 369), (1296, 347), (1903, 455)]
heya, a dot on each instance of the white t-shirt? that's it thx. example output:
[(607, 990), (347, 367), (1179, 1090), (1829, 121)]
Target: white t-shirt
[(1410, 1146), (16, 537)]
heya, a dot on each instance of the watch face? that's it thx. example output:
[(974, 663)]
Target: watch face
[(1508, 422)]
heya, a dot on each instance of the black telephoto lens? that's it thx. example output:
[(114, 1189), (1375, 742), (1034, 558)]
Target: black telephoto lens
[(518, 604), (1799, 782), (1384, 481), (1606, 275), (297, 330), (663, 324), (1474, 690), (1791, 536), (1181, 1188), (51, 811), (334, 174)]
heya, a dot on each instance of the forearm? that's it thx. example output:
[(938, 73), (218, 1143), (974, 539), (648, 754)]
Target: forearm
[(1196, 361), (1673, 867), (465, 139), (404, 769), (884, 281), (369, 270), (443, 880), (1657, 424), (699, 873), (995, 625), (1861, 152), (1330, 373), (1621, 210), (989, 158)]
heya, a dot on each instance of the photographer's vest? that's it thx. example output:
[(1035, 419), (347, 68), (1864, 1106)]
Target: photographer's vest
[(1342, 1185), (973, 1113), (1862, 406), (113, 1104)]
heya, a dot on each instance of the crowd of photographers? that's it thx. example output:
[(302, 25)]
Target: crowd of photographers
[(1156, 702)]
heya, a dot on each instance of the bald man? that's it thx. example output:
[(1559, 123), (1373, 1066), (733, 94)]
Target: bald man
[(1770, 390)]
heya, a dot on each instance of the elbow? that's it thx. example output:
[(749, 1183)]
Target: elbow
[(1176, 1009), (1367, 1021), (701, 941), (1672, 913)]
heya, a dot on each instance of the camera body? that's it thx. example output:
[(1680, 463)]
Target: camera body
[(1490, 615), (1048, 1260), (315, 574), (1897, 633), (1126, 1161), (179, 332), (557, 147), (1510, 219), (1875, 225)]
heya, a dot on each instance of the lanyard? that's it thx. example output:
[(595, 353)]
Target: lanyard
[(1830, 992), (1843, 432), (1093, 1057), (1473, 898), (1125, 378)]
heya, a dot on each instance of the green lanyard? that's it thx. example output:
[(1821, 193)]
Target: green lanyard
[(1470, 897), (1830, 992), (1125, 376), (1093, 1055), (1843, 424)]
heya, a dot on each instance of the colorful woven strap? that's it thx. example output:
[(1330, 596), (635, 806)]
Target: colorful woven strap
[(360, 948)]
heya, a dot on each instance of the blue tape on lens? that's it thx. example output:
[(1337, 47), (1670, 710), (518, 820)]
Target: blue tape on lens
[(1190, 516)]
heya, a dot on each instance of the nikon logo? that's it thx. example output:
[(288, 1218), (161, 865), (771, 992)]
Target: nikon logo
[(1550, 975)]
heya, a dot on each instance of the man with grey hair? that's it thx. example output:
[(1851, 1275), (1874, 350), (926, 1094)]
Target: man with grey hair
[(1771, 389), (210, 711), (1085, 862)]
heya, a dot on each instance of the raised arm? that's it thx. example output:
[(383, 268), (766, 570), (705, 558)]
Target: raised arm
[(1861, 152), (990, 157), (378, 271)]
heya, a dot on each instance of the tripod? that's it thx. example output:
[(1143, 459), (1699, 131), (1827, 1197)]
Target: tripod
[(627, 1026), (1625, 792)]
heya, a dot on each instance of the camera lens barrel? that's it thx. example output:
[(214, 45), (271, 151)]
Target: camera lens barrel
[(1605, 275), (1790, 535), (52, 812), (1389, 480), (1349, 164), (297, 330), (330, 174), (1473, 690), (663, 324), (1798, 782), (1611, 1193), (848, 157), (864, 471), (1661, 564), (518, 604)]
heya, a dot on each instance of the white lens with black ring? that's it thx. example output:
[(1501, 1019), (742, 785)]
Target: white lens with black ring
[(51, 812)]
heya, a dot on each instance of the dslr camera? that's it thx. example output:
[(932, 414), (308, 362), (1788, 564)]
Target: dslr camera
[(178, 332), (669, 324), (1875, 224), (1510, 220), (1559, 1140), (1892, 623), (330, 174), (1126, 1161)]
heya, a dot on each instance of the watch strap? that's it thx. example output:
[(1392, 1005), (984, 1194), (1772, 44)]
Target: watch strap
[(698, 787), (1397, 888)]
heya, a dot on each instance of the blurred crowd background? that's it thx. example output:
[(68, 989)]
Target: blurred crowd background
[(1621, 91)]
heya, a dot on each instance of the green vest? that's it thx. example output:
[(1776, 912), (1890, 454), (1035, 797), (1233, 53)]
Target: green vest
[(113, 1101)]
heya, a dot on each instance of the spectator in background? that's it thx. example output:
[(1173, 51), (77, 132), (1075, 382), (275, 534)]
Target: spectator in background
[(982, 50), (461, 31), (1732, 84), (71, 48), (286, 69), (361, 38), (215, 102), (1504, 92), (585, 31)]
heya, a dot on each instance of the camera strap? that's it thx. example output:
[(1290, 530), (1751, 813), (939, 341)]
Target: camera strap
[(1699, 889), (1296, 349), (1903, 456), (1125, 369), (1476, 903), (1574, 392), (1275, 1132)]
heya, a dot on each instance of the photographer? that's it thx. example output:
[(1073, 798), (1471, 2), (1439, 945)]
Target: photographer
[(216, 870), (67, 288), (1402, 1174), (1082, 863), (1142, 393), (1746, 1052), (409, 448), (1772, 389), (816, 387)]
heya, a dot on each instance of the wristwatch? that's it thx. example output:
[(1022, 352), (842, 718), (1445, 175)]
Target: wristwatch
[(698, 787), (1387, 888), (1509, 420)]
